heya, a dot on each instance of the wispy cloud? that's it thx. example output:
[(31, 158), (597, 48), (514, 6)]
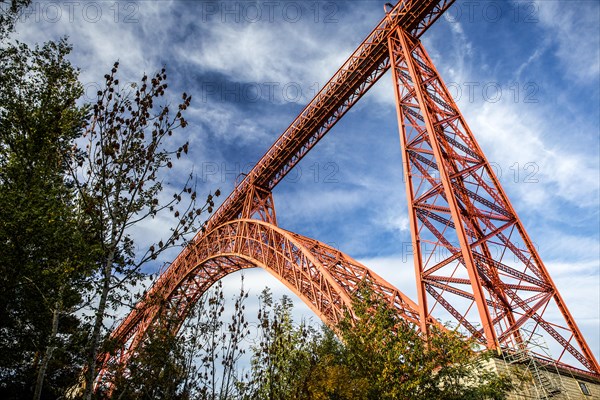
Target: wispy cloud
[(576, 34), (545, 150)]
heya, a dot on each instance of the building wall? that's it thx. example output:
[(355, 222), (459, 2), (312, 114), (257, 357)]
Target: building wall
[(565, 381)]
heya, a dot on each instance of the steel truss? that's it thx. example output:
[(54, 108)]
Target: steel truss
[(473, 257), (322, 276), (474, 263)]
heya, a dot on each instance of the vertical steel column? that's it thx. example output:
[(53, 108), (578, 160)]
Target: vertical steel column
[(403, 54), (482, 258)]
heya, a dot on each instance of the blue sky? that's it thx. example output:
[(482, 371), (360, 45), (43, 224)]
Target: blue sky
[(525, 75)]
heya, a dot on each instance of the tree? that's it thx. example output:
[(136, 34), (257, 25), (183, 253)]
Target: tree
[(200, 362), (378, 356), (285, 355), (119, 177), (215, 347), (389, 356), (68, 211), (9, 13), (157, 371), (43, 260)]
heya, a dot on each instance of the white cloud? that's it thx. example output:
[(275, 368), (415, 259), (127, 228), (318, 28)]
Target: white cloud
[(575, 31), (222, 119), (255, 53), (100, 37), (555, 134), (529, 143), (545, 173), (535, 56), (320, 204)]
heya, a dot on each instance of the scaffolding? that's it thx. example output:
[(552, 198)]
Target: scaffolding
[(534, 357)]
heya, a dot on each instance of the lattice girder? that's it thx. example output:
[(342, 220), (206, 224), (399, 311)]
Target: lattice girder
[(259, 204), (473, 257), (473, 260), (353, 79), (322, 276)]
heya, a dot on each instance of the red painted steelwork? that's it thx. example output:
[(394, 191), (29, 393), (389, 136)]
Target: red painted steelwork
[(473, 260), (471, 252), (357, 75), (323, 277)]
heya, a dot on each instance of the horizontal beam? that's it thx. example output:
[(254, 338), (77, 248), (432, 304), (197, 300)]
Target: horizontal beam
[(352, 80)]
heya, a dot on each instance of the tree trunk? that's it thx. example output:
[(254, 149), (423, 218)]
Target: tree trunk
[(98, 322), (49, 349)]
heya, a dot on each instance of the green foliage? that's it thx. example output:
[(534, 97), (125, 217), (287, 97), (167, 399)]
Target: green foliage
[(394, 361), (158, 371), (198, 363), (44, 254), (283, 357), (378, 356), (374, 355), (66, 211), (119, 176), (216, 347), (10, 11), (74, 181)]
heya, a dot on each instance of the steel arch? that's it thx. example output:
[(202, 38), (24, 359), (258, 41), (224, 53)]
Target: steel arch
[(473, 258), (322, 276)]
